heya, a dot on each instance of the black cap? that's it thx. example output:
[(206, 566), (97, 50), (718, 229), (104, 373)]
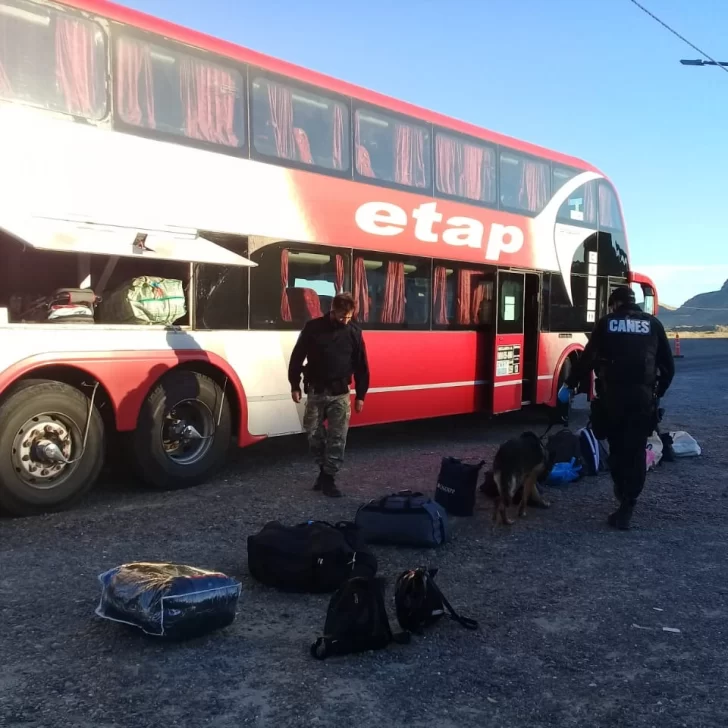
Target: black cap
[(621, 295)]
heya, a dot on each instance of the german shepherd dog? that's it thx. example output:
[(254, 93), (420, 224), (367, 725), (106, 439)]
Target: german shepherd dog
[(517, 466)]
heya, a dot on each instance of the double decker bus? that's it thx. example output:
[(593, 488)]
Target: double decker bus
[(133, 149)]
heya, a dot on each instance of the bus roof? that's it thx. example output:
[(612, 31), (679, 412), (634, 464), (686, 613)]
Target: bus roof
[(178, 33)]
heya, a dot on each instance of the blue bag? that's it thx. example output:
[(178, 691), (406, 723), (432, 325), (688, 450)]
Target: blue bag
[(563, 473)]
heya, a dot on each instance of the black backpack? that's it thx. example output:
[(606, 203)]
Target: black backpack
[(456, 486), (356, 620), (420, 603), (314, 557)]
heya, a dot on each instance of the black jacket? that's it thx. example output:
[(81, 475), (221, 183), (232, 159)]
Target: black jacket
[(335, 352), (629, 351)]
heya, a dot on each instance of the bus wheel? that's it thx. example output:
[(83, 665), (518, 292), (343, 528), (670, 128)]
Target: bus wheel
[(44, 465), (183, 433), (564, 373)]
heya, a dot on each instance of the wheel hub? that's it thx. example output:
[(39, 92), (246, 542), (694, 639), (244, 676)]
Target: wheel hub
[(187, 431), (40, 450)]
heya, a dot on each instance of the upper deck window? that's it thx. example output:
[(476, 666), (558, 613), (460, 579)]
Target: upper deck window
[(289, 123), (52, 59), (581, 205), (524, 183), (391, 150), (609, 216), (168, 91), (465, 169)]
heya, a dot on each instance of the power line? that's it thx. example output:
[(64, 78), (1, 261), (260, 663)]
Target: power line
[(682, 38)]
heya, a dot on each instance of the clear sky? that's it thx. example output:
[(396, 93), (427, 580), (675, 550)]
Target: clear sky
[(597, 79)]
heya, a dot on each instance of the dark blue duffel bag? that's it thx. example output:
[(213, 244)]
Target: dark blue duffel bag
[(403, 519)]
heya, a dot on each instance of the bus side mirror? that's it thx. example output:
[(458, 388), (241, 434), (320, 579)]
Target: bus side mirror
[(649, 302)]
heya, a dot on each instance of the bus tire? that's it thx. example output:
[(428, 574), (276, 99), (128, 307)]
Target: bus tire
[(162, 456), (41, 410), (564, 373)]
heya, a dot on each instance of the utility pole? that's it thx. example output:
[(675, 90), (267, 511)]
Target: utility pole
[(700, 62)]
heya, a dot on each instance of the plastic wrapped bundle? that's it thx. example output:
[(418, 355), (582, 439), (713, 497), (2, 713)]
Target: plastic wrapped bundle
[(168, 600)]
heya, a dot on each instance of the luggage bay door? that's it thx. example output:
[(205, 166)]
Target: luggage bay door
[(509, 339)]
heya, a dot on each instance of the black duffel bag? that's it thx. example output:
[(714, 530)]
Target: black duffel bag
[(456, 486), (316, 557)]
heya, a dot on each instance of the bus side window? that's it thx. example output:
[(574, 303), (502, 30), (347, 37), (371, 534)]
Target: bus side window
[(525, 183), (300, 126), (292, 285), (462, 297), (392, 150), (580, 207), (221, 291), (164, 90), (392, 291), (53, 59), (565, 317), (612, 244)]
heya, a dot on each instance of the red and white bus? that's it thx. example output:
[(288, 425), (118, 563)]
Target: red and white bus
[(132, 147)]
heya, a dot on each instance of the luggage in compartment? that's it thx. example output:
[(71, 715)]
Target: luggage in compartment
[(145, 300), (64, 306)]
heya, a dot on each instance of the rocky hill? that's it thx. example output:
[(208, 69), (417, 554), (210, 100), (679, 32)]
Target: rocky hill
[(704, 312)]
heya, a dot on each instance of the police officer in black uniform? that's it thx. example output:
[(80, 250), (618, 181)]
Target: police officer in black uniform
[(631, 356)]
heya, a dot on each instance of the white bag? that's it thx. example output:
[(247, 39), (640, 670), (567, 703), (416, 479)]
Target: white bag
[(684, 445), (654, 451)]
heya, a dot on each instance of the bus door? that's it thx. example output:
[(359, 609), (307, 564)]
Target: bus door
[(509, 342), (531, 334)]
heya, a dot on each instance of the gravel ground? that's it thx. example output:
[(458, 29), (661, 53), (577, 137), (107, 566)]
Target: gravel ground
[(571, 612)]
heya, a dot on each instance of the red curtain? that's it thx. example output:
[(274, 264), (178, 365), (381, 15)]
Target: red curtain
[(338, 137), (285, 303), (446, 163), (409, 161), (302, 145), (361, 291), (483, 293), (534, 185), (133, 65), (441, 295), (208, 98), (464, 169), (608, 215), (472, 177), (6, 88), (394, 300), (363, 161), (478, 297), (281, 117), (590, 204), (339, 283), (76, 65), (463, 301)]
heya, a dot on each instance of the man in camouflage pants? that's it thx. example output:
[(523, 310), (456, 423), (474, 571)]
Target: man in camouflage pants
[(334, 350)]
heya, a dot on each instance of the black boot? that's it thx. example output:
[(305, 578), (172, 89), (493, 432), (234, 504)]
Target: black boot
[(329, 486), (319, 484), (621, 517)]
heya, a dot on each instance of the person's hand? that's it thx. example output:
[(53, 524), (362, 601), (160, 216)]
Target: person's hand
[(358, 405), (296, 395), (564, 394)]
